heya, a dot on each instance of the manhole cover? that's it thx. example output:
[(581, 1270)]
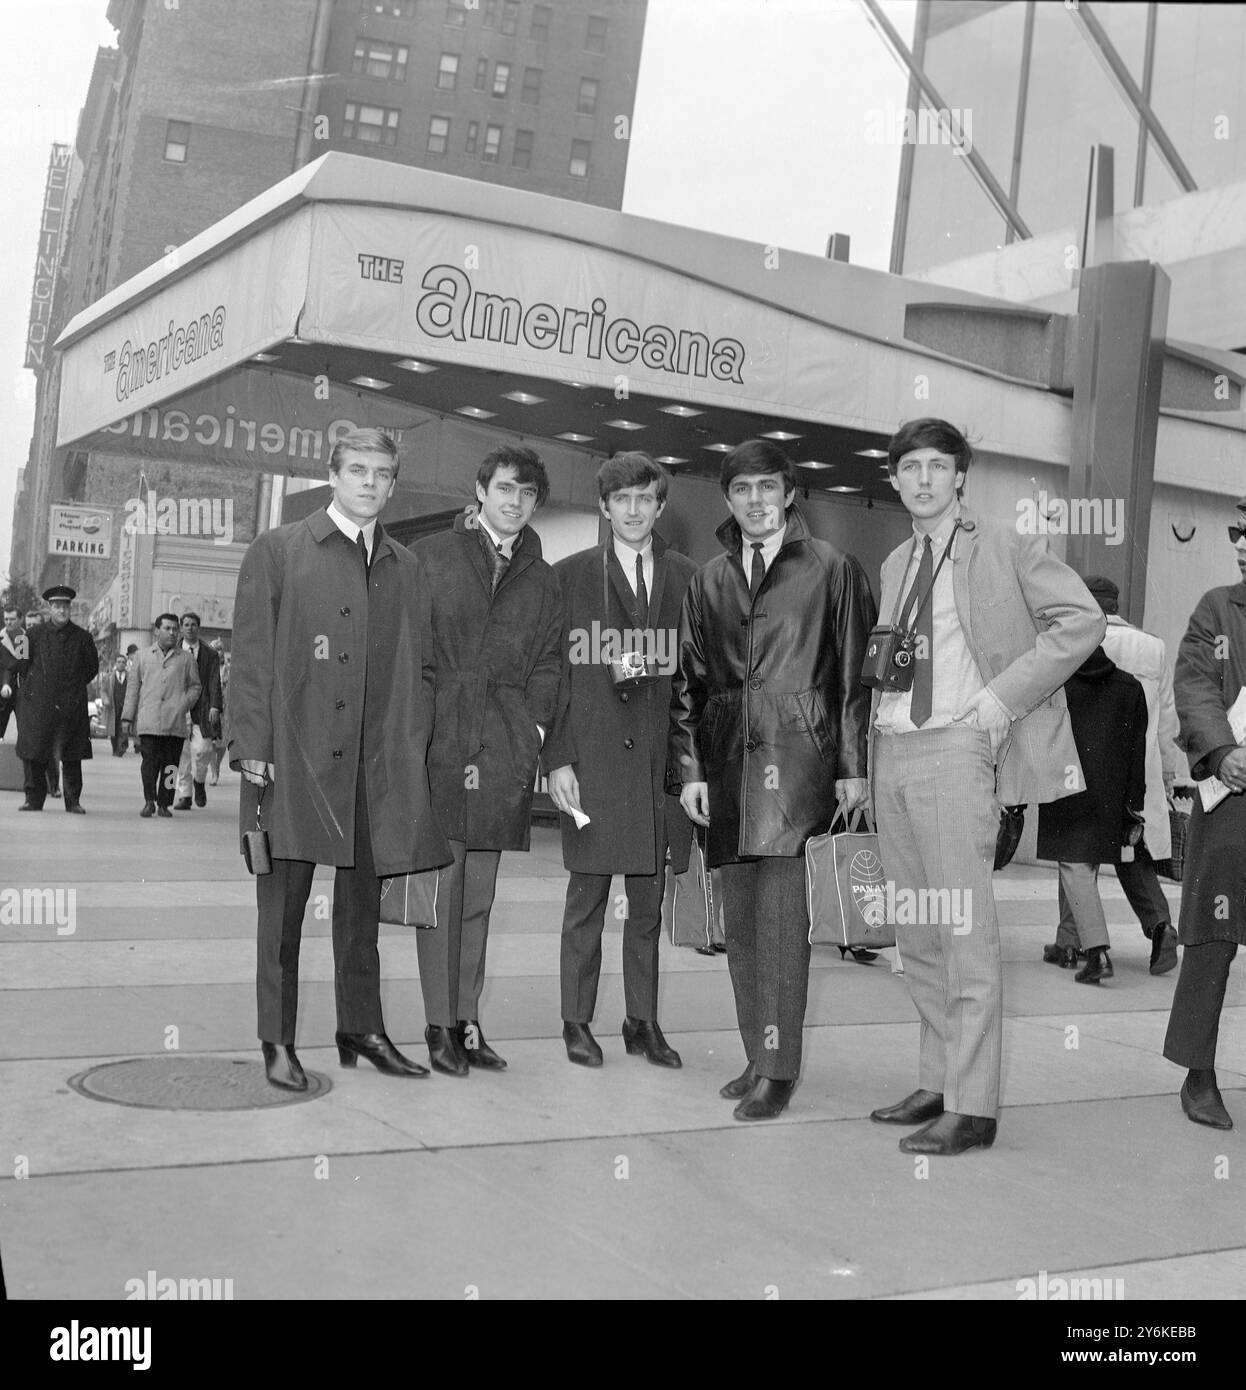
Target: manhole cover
[(191, 1083)]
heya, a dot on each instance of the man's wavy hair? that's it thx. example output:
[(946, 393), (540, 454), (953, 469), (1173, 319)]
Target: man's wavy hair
[(364, 442), (929, 433)]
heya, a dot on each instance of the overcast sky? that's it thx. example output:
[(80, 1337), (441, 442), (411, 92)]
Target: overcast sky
[(749, 120)]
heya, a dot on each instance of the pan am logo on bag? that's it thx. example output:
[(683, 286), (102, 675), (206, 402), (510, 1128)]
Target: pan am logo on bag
[(865, 875)]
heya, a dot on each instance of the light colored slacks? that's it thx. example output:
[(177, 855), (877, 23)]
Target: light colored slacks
[(938, 818)]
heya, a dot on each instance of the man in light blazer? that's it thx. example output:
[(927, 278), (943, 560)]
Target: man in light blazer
[(999, 626)]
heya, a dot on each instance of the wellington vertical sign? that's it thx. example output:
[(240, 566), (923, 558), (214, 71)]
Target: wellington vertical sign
[(55, 194)]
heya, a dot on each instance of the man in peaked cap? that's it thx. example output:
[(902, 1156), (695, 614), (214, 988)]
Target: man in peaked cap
[(53, 721)]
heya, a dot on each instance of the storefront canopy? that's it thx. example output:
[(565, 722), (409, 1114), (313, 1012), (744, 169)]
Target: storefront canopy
[(359, 291)]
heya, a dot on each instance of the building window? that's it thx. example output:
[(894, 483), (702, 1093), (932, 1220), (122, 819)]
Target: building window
[(373, 125), (473, 134), (587, 103), (581, 150), (531, 92), (595, 39), (501, 78), (510, 17), (522, 158), (490, 15), (539, 32), (376, 59), (493, 143), (456, 13), (438, 134), (177, 142), (448, 72), (482, 74)]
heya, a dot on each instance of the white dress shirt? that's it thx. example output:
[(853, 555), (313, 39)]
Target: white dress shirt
[(351, 529), (626, 556)]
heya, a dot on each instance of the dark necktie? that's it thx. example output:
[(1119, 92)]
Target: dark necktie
[(757, 570), (363, 551), (499, 563), (642, 594), (923, 668)]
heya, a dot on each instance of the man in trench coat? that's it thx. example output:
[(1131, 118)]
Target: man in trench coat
[(52, 718), (330, 710), (497, 627), (1210, 676), (606, 755)]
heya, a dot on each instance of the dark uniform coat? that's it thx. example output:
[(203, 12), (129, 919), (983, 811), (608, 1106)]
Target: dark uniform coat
[(498, 659), (53, 698), (768, 705), (1210, 674), (616, 739), (1107, 707), (209, 663), (12, 669), (306, 627)]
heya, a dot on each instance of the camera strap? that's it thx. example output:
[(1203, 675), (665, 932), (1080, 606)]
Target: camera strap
[(915, 613), (605, 583)]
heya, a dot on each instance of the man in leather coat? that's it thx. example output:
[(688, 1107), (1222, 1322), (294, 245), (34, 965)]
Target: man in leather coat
[(769, 731)]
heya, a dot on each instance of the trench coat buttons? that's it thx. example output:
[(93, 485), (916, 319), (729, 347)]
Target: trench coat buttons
[(345, 656), (337, 752), (339, 704), (623, 696), (751, 745), (629, 743), (345, 612), (755, 683)]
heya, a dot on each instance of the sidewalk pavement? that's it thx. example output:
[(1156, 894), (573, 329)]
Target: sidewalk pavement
[(548, 1180)]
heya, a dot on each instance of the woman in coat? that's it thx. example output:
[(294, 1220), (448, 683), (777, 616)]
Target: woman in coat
[(1107, 708), (769, 729), (1209, 678)]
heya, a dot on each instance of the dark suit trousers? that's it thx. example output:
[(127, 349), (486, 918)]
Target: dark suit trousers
[(1194, 1023), (1142, 888), (161, 754), (452, 957), (37, 774), (582, 923), (766, 919), (282, 897)]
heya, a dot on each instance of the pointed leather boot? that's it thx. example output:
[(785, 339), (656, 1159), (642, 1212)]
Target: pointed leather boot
[(766, 1101), (282, 1067), (951, 1134), (477, 1051), (1202, 1102), (644, 1038), (917, 1109), (1098, 967), (445, 1051), (741, 1086), (582, 1048), (378, 1050)]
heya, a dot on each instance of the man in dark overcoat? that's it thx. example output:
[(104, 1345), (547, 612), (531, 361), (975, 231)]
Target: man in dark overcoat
[(53, 722), (606, 754), (1209, 679), (118, 683), (497, 625), (14, 659), (205, 718), (329, 718), (1102, 824), (769, 731)]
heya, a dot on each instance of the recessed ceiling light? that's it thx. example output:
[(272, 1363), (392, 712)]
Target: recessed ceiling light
[(719, 448), (409, 364), (523, 398), (684, 412), (475, 412), (572, 438), (782, 436), (871, 453), (813, 463), (669, 460), (623, 425), (577, 385), (843, 487), (266, 357), (373, 383)]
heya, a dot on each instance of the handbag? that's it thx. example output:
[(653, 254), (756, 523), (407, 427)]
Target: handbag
[(694, 901), (1179, 827), (1008, 837), (845, 887), (410, 900)]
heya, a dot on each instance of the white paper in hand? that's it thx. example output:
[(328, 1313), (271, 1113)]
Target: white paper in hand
[(581, 820), (1211, 790)]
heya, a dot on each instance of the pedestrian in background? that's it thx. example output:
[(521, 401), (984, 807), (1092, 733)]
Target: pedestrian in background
[(162, 689)]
